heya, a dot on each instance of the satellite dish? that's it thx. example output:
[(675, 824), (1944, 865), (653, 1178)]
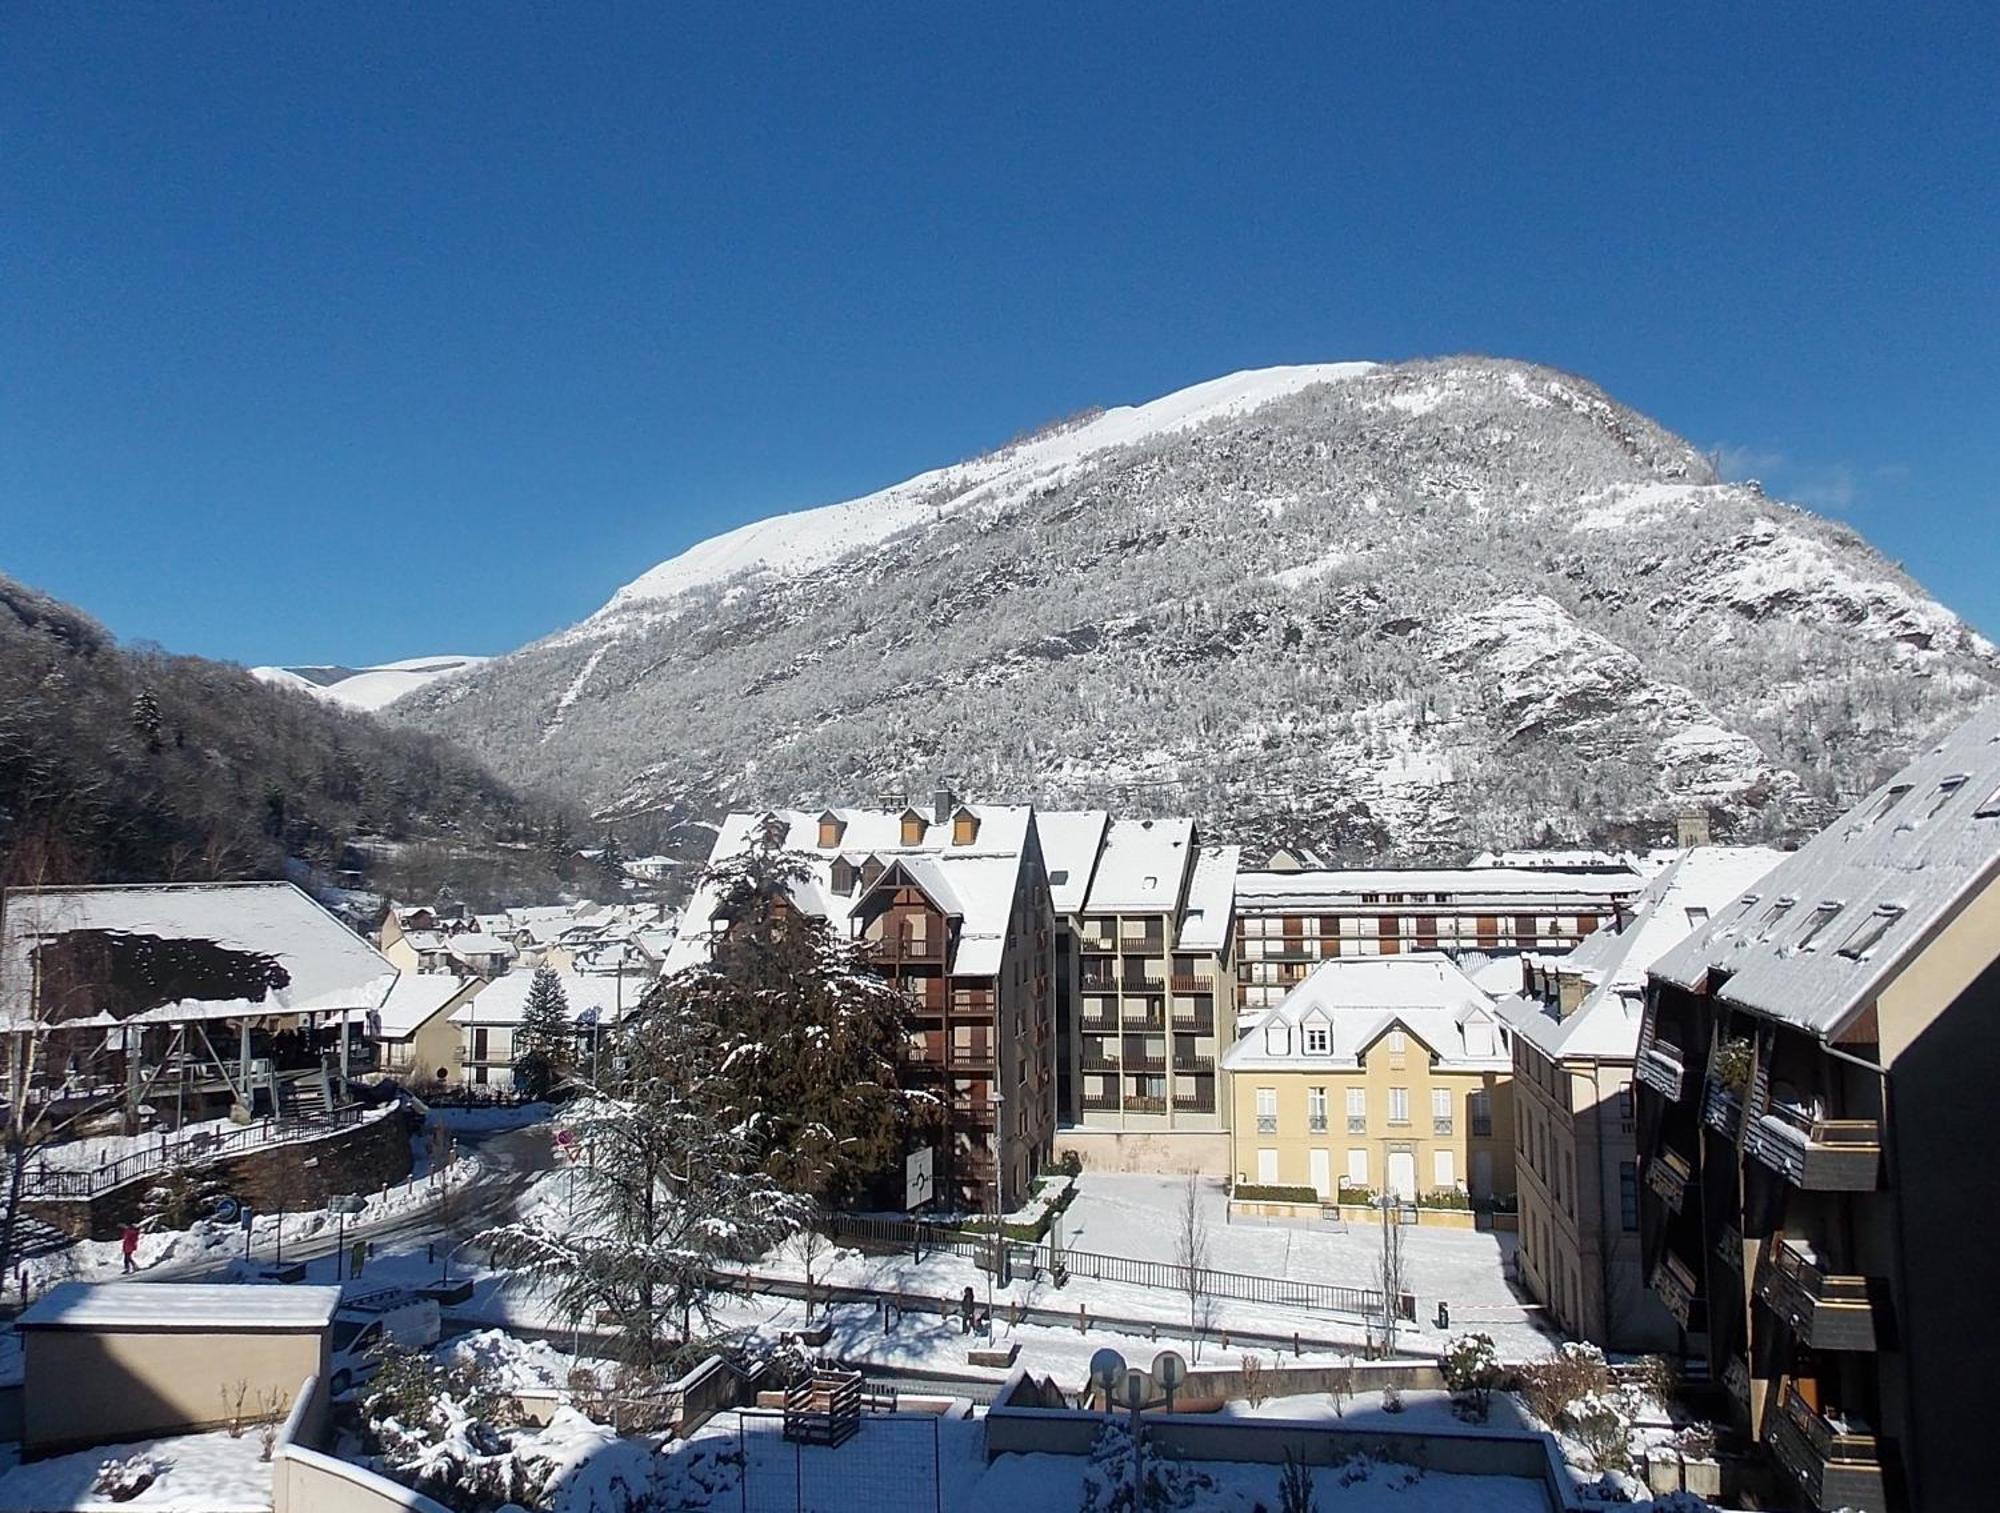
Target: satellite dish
[(1107, 1370)]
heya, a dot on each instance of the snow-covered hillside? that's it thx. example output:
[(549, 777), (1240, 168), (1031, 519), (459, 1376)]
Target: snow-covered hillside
[(369, 688), (1418, 608)]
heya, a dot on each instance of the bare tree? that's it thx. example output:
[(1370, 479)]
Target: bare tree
[(1191, 1252), (1392, 1275), (810, 1244)]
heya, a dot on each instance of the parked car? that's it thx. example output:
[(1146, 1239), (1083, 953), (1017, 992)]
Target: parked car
[(365, 1325)]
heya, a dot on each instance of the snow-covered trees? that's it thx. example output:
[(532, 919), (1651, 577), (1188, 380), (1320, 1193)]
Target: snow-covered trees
[(669, 1184), (809, 1033), (544, 1046)]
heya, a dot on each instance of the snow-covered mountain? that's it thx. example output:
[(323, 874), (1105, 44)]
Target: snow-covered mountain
[(369, 688), (1416, 608)]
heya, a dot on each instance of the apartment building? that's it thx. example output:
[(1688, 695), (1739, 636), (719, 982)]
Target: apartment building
[(1072, 841), (487, 1022), (953, 901), (1287, 920), (1816, 1068), (1385, 1073), (1575, 1044)]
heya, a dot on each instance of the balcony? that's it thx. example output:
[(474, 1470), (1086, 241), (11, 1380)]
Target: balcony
[(1097, 1061), (1198, 986), (972, 1058), (1836, 1467), (1826, 1312), (1482, 1126), (926, 951), (1441, 1124), (1357, 1124), (1100, 1103), (1147, 1105), (1194, 1022), (1315, 1124), (1143, 945), (1195, 1066), (1661, 1069), (1820, 1155), (1668, 1174), (1135, 982), (1144, 1019), (1676, 1286), (1097, 1024), (1098, 984), (1267, 1124), (1196, 1103), (1145, 1063), (1721, 1109)]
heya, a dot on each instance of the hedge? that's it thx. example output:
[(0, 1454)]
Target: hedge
[(1250, 1192)]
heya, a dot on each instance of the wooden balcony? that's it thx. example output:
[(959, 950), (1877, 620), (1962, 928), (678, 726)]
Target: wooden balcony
[(1721, 1108), (923, 952), (1662, 1069), (1669, 1174), (971, 1058), (1675, 1285), (1820, 1155), (1834, 1467), (1826, 1312)]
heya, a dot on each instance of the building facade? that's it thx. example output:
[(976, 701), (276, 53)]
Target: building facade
[(1816, 1197), (1376, 1076), (1575, 1044), (953, 902), (1288, 920)]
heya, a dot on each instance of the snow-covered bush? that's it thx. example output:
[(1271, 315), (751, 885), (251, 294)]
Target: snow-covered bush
[(1469, 1363), (123, 1480), (1575, 1370), (1392, 1399), (444, 1430), (1170, 1485), (1601, 1422)]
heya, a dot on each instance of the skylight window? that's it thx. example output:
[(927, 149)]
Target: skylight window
[(1822, 915), (1775, 915), (1896, 794), (1868, 934), (1696, 918), (1946, 789), (1990, 809)]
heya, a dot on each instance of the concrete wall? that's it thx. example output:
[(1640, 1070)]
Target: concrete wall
[(306, 1481), (1166, 1152), (94, 1386)]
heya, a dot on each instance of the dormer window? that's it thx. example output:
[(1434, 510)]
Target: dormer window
[(964, 828), (913, 828), (1319, 1042), (871, 868), (1277, 1040), (844, 875), (831, 828)]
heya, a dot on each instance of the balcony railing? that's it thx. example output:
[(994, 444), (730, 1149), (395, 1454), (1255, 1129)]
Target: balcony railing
[(1145, 1105), (1100, 1103), (1135, 982), (1826, 1312), (1315, 1124), (1721, 1108), (1357, 1124), (1267, 1124), (1201, 986), (1668, 1174), (1440, 1124), (1194, 1066), (1820, 1155), (1834, 1467), (1482, 1126), (896, 949), (1143, 1019), (1198, 1022), (1729, 1247), (1196, 1102), (1145, 1063), (1098, 1024), (1676, 1286), (1099, 984), (1097, 1061), (1662, 1069)]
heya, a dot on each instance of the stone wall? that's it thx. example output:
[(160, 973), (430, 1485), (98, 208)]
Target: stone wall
[(361, 1158)]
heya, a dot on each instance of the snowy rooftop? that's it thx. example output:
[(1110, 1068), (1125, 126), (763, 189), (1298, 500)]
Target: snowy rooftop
[(1605, 1025), (1816, 940), (1500, 886), (504, 1000), (1071, 840), (1358, 999), (182, 951), (1143, 868), (416, 997), (471, 945), (1211, 899), (181, 1305), (974, 882)]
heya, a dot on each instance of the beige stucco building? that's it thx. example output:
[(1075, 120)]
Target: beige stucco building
[(1389, 1074)]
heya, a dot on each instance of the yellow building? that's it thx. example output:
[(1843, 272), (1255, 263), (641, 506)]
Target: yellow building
[(1378, 1073)]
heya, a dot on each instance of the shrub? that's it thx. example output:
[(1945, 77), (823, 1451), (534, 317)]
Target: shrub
[(123, 1480), (1599, 1423), (1471, 1367), (1392, 1399), (1573, 1372), (1659, 1378), (1445, 1197), (1256, 1192), (1255, 1389), (1732, 1064), (1355, 1193), (1295, 1486)]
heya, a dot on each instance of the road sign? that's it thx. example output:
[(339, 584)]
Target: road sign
[(919, 1180)]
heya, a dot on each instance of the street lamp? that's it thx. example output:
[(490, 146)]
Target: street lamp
[(997, 1101)]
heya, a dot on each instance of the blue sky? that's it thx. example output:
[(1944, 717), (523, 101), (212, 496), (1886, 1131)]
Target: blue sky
[(348, 332)]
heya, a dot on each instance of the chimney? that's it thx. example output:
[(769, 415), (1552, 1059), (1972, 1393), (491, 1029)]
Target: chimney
[(946, 801)]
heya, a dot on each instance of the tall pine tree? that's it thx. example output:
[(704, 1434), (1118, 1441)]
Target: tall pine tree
[(544, 1044)]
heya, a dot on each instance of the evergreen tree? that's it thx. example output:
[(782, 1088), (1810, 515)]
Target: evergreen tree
[(544, 1048), (813, 1033), (146, 719), (667, 1186)]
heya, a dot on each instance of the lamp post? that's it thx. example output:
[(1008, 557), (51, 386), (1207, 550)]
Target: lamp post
[(996, 1100)]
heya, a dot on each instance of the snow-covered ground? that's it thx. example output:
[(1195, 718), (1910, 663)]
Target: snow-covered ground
[(192, 1473)]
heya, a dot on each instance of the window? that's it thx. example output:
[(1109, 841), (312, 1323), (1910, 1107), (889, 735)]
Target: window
[(1479, 1109), (831, 828), (1267, 1111), (1357, 1166), (1870, 931), (1357, 1110), (1318, 1040), (1775, 915), (1267, 1166), (1696, 917), (1444, 1171), (1399, 1105), (1316, 1110), (1946, 789), (1822, 915), (1441, 1110), (913, 828), (1628, 1195), (1627, 1110)]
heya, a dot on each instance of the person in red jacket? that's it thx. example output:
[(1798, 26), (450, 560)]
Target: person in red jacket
[(128, 1242)]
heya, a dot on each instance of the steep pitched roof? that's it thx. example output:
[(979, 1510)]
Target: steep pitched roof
[(1071, 841), (1143, 868), (1211, 899), (1818, 939)]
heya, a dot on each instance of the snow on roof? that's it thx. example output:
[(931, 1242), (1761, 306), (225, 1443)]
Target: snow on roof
[(504, 1000), (279, 952), (181, 1305), (471, 944), (800, 542), (1500, 886), (1211, 899), (1815, 941), (1143, 867), (1361, 998), (977, 880), (416, 997), (1071, 840), (1572, 860)]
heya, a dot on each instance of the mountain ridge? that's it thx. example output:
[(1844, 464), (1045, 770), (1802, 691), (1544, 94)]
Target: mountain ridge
[(1418, 608)]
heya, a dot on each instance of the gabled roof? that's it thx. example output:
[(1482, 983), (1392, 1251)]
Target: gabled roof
[(1211, 899), (1071, 840), (1363, 998), (1143, 868), (1605, 1026), (417, 997), (270, 949), (1865, 893)]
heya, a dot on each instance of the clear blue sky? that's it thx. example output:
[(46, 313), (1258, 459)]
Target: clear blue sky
[(349, 331)]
